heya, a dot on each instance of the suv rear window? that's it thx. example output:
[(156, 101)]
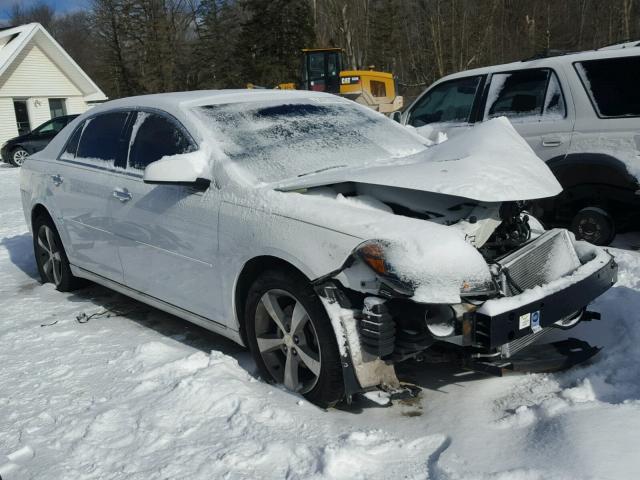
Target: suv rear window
[(612, 85)]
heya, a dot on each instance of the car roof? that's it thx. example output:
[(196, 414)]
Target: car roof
[(631, 49), (176, 100)]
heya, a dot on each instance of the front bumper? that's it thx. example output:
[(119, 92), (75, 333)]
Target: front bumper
[(492, 330)]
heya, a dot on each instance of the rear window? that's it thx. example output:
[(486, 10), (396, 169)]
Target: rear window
[(612, 85)]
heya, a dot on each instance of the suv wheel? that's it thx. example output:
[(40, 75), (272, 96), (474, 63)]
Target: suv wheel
[(594, 225), (18, 156), (292, 339), (52, 261)]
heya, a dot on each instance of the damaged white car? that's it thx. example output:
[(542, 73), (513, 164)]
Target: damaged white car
[(331, 241)]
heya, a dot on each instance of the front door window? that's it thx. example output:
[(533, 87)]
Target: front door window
[(22, 116), (449, 102)]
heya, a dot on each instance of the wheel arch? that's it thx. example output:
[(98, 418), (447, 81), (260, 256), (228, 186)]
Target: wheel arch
[(14, 147), (589, 179), (249, 273), (37, 210), (591, 168)]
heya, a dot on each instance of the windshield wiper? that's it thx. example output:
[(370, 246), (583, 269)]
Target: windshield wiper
[(321, 170)]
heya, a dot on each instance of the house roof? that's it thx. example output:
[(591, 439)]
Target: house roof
[(14, 40)]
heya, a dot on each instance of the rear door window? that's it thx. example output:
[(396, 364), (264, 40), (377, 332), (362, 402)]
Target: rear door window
[(525, 95), (449, 102), (155, 136), (102, 139), (612, 85)]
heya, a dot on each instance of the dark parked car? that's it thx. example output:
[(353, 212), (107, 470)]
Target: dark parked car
[(16, 150)]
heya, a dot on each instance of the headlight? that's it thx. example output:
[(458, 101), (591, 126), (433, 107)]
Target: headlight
[(373, 254)]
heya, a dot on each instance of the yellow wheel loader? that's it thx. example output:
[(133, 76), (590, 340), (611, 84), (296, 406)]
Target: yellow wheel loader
[(322, 72)]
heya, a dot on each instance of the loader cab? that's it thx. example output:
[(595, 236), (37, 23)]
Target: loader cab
[(321, 69)]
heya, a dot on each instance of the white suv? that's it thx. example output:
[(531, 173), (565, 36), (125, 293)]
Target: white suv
[(580, 113)]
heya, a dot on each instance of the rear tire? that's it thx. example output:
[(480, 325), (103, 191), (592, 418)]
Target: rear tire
[(51, 258), (292, 339), (594, 225), (18, 156)]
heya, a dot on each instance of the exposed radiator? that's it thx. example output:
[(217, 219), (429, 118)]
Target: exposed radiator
[(547, 258)]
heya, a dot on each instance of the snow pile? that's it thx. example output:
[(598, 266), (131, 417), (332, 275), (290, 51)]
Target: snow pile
[(432, 132)]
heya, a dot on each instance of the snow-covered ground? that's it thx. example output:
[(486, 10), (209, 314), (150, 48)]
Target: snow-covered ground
[(140, 394)]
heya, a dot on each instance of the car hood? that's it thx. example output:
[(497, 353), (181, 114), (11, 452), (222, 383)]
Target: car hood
[(488, 163), (19, 138)]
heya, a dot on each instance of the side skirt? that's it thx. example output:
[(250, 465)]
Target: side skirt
[(203, 322)]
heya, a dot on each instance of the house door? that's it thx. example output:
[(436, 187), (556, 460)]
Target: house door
[(22, 116)]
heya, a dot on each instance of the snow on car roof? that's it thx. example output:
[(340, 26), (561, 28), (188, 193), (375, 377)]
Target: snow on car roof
[(552, 61), (175, 100)]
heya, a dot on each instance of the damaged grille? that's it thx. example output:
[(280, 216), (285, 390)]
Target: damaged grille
[(547, 258)]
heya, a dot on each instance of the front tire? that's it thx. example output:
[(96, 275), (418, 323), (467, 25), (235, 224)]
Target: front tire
[(594, 225), (292, 339), (18, 156), (52, 261)]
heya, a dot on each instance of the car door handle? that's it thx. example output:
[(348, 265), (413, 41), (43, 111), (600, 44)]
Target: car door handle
[(551, 142), (122, 194), (57, 180)]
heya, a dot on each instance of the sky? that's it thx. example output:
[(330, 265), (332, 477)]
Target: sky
[(60, 6)]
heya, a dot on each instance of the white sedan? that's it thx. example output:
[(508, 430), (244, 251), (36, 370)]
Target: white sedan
[(331, 241)]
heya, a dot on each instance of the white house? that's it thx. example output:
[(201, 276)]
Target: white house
[(39, 81)]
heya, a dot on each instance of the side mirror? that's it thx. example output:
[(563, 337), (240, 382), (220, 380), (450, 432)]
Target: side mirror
[(396, 116), (189, 169)]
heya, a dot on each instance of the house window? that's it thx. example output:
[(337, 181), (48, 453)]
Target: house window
[(22, 116), (57, 107)]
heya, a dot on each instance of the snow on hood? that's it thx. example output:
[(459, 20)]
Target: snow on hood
[(435, 258), (488, 163)]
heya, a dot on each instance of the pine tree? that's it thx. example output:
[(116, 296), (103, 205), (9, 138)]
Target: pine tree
[(272, 38), (219, 24)]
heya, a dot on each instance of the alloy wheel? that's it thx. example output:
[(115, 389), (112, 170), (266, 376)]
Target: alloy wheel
[(19, 156), (287, 341), (49, 254)]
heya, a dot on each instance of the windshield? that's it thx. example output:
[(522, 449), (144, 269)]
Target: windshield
[(274, 141)]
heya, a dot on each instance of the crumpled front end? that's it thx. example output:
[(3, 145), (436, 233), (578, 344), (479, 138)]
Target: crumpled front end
[(544, 283)]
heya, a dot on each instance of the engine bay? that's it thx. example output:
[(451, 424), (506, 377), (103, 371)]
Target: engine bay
[(495, 229)]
